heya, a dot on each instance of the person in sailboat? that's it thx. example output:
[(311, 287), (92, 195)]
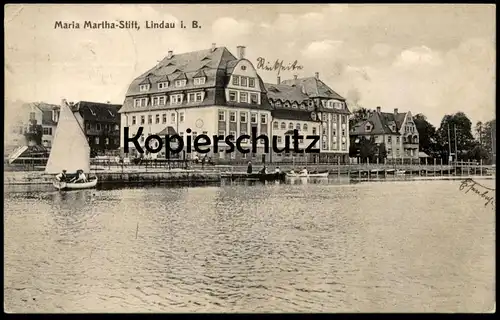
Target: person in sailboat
[(277, 170), (303, 171), (80, 178), (263, 170), (62, 177)]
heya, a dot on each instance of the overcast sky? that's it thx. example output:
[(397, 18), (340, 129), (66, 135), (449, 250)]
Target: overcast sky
[(431, 59)]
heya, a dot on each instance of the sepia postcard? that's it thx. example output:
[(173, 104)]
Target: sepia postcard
[(249, 158)]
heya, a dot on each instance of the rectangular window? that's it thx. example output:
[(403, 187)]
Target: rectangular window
[(162, 85), (253, 118), (251, 82), (191, 97), (155, 101), (243, 97), (161, 100), (389, 139), (222, 116), (233, 133), (236, 80), (314, 131), (243, 117), (222, 133), (96, 140), (278, 139), (180, 83), (244, 81), (143, 119), (254, 98), (263, 118), (194, 134), (137, 103), (144, 102), (144, 87), (232, 116), (98, 126), (164, 118), (343, 132), (325, 117), (397, 139), (133, 120), (176, 99), (106, 141), (199, 97), (233, 96), (172, 118), (199, 81), (181, 117), (275, 125), (157, 119), (150, 119)]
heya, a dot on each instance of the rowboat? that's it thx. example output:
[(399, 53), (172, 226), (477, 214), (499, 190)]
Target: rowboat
[(275, 176), (59, 185), (323, 174), (70, 151)]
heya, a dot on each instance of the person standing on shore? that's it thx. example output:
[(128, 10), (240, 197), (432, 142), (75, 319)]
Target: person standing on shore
[(249, 168)]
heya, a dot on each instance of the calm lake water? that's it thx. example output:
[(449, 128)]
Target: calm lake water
[(404, 246)]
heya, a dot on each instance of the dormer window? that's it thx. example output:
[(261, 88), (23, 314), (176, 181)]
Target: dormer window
[(180, 83), (162, 85), (144, 87), (368, 127), (196, 97), (176, 99), (302, 106), (287, 105), (278, 103), (92, 111), (295, 106), (199, 81)]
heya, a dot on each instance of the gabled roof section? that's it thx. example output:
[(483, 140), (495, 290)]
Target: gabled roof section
[(188, 64), (181, 76), (145, 81), (285, 93), (314, 88), (199, 74), (381, 124), (96, 111)]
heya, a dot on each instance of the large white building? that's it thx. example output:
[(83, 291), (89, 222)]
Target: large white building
[(213, 92)]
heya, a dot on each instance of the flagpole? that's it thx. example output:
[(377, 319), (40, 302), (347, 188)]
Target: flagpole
[(449, 144), (455, 133)]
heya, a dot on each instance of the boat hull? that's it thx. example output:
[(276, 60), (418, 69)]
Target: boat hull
[(277, 176), (308, 175), (75, 186)]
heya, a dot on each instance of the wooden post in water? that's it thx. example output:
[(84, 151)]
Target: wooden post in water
[(338, 168)]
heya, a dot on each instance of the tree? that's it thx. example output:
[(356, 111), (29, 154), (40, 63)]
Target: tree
[(427, 135), (359, 115), (34, 133), (367, 149), (464, 139), (382, 152)]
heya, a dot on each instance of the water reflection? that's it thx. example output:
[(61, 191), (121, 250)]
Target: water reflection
[(323, 245)]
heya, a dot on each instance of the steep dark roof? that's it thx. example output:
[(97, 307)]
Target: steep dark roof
[(286, 114), (285, 93), (96, 111), (189, 64), (381, 122), (167, 130), (199, 74), (314, 88)]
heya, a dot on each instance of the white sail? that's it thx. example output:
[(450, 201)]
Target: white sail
[(70, 149)]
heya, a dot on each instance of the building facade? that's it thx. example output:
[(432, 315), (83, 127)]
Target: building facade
[(207, 92), (213, 92), (396, 130), (312, 107), (101, 124), (27, 117)]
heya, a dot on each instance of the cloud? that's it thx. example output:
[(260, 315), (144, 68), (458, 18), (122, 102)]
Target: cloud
[(381, 49), (231, 28), (321, 49), (417, 56)]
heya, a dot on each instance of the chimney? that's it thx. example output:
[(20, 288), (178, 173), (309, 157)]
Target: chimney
[(241, 52), (279, 80), (213, 47), (378, 109), (316, 74), (395, 111), (170, 54), (294, 77)]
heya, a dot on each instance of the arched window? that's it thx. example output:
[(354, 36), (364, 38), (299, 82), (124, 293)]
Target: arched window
[(305, 127), (275, 125), (415, 139), (283, 126), (290, 126), (298, 126)]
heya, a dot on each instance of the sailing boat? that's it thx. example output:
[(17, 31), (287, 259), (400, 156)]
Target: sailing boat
[(70, 150)]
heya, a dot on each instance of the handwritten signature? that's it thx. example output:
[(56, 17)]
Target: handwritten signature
[(475, 187), (277, 66)]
